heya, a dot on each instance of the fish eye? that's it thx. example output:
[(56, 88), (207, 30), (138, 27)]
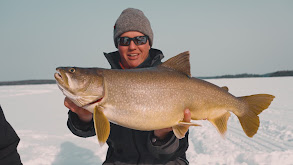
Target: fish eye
[(72, 70)]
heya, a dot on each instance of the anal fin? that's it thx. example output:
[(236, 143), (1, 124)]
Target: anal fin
[(102, 125), (181, 129), (221, 122)]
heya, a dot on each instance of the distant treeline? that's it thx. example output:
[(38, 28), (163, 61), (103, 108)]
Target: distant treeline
[(28, 82), (245, 75)]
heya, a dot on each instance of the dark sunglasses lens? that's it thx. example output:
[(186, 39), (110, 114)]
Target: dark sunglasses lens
[(124, 41), (140, 40)]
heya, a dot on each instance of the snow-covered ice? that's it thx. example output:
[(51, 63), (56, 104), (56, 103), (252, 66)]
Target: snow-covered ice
[(39, 117)]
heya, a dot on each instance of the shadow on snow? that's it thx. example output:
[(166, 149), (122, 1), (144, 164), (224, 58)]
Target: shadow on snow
[(75, 155)]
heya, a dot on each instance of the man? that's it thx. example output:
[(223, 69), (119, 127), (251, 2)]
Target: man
[(133, 37)]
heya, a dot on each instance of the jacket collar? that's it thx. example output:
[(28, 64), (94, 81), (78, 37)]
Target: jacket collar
[(154, 59)]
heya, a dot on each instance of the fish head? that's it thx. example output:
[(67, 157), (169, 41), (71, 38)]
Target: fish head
[(83, 86)]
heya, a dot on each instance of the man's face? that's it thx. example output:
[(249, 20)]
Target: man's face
[(133, 55)]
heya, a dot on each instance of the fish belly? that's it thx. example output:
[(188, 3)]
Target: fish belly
[(145, 111)]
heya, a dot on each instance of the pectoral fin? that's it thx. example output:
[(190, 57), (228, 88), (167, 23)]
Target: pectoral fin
[(102, 125), (181, 129), (221, 123), (182, 123)]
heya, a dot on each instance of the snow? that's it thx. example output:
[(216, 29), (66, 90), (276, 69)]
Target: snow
[(39, 117)]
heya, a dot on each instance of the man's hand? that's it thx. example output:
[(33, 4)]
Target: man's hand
[(83, 114), (162, 133)]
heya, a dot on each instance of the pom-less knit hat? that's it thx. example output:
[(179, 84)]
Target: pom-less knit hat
[(132, 20)]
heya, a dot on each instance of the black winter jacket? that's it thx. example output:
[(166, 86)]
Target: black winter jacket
[(8, 143), (128, 146)]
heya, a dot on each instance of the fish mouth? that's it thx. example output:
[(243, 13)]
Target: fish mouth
[(60, 77), (62, 80), (59, 80)]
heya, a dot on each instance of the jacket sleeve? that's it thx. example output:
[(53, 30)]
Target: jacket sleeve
[(8, 143), (169, 149), (78, 127)]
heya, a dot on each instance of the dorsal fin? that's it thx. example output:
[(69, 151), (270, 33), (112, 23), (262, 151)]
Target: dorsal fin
[(179, 63)]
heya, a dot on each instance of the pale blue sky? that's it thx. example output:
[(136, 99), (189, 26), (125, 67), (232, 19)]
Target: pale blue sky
[(223, 37)]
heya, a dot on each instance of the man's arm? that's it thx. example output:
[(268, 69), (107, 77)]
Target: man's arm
[(80, 121), (79, 127), (164, 144)]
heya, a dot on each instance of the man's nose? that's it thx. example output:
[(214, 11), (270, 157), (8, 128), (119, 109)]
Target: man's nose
[(132, 45)]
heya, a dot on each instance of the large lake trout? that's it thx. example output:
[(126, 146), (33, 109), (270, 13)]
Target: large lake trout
[(155, 98)]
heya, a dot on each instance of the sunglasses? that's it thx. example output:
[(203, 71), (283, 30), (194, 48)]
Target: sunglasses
[(139, 40)]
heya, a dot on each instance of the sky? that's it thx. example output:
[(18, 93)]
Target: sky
[(223, 37)]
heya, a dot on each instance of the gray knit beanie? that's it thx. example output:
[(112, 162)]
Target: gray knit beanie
[(132, 20)]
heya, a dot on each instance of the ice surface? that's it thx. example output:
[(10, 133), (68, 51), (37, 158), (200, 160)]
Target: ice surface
[(39, 117)]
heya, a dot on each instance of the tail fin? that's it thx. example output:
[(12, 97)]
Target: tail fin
[(256, 104)]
